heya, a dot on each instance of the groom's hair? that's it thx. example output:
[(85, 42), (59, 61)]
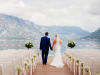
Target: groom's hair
[(46, 33)]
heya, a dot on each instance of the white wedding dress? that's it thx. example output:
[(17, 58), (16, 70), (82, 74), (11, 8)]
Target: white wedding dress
[(57, 60)]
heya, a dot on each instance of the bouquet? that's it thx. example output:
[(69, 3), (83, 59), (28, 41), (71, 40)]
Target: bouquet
[(19, 69), (34, 55), (25, 63), (86, 69), (66, 54), (69, 56), (77, 60), (72, 59), (27, 59), (38, 53), (81, 64)]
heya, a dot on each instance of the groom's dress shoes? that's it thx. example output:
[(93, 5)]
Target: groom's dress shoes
[(43, 63)]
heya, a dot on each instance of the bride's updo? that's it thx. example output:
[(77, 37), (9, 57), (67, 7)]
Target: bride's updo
[(56, 35)]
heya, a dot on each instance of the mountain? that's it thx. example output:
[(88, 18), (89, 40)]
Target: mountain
[(65, 32), (94, 35), (16, 28)]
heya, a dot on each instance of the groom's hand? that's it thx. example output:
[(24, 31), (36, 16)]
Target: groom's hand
[(52, 49)]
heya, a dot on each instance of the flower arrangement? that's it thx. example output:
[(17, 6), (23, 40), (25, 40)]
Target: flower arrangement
[(25, 63), (34, 55), (27, 59), (65, 53), (69, 56), (71, 44), (19, 69), (32, 58), (72, 59), (38, 53), (98, 74), (29, 45), (86, 69), (81, 64), (77, 61)]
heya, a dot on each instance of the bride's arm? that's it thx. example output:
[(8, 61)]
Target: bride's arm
[(53, 44), (60, 42)]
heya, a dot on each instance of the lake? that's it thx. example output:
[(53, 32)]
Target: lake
[(19, 44)]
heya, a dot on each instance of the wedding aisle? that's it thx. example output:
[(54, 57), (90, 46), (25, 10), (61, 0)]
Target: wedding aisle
[(50, 70)]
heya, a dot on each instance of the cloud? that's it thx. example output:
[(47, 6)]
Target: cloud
[(81, 13), (95, 7)]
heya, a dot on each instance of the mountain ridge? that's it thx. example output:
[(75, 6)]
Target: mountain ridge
[(94, 35), (16, 28)]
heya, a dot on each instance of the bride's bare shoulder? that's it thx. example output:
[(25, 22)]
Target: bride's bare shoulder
[(54, 40)]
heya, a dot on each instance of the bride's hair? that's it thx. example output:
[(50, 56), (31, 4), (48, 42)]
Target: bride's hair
[(56, 35)]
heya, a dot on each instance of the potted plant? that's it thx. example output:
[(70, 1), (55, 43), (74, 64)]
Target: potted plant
[(71, 44), (29, 45), (87, 69), (19, 69)]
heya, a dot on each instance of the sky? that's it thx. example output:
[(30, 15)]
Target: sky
[(81, 13)]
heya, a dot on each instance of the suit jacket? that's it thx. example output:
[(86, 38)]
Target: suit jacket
[(45, 43)]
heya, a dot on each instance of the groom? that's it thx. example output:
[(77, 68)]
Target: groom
[(44, 46)]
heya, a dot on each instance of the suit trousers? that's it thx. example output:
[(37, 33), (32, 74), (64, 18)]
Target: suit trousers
[(45, 55)]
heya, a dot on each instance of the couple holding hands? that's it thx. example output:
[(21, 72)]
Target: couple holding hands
[(44, 47)]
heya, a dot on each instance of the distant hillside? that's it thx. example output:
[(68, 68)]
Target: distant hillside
[(94, 35), (65, 32), (16, 28)]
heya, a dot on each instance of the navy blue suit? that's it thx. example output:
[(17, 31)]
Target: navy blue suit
[(44, 46)]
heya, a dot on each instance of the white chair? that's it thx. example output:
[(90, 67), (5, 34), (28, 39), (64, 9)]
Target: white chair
[(8, 67)]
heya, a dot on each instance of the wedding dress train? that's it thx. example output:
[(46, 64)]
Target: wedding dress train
[(57, 60)]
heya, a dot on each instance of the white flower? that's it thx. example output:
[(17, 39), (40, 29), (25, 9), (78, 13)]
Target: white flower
[(38, 53), (77, 60), (72, 59), (34, 55), (25, 63), (27, 59), (82, 63), (32, 58), (86, 69), (19, 69)]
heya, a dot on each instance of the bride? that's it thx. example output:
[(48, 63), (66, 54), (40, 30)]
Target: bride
[(57, 60)]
